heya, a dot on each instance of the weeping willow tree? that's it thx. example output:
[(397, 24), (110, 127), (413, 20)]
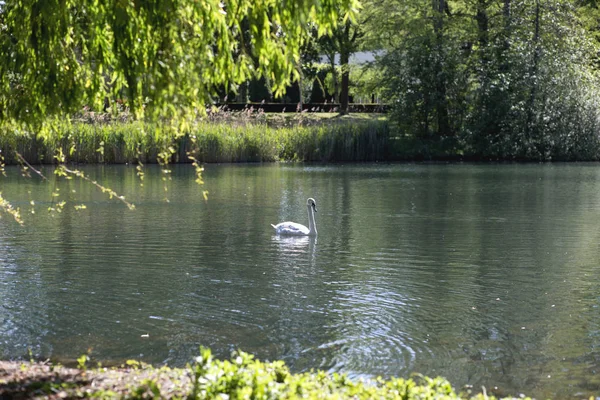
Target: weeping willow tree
[(165, 59)]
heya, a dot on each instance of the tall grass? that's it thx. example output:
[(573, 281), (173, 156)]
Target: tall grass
[(128, 142)]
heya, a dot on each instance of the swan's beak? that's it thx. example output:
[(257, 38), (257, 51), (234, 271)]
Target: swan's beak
[(314, 207)]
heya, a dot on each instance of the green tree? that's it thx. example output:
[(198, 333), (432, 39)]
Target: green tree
[(492, 78), (166, 58), (536, 92), (424, 67), (343, 41)]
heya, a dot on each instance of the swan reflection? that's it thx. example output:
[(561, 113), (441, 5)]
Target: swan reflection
[(296, 245)]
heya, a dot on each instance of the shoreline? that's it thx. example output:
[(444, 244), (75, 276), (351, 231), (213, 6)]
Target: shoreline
[(241, 138), (241, 377)]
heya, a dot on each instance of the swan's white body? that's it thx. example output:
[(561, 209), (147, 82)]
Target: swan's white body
[(295, 229)]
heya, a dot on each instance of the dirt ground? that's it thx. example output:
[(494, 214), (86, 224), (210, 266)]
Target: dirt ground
[(24, 380)]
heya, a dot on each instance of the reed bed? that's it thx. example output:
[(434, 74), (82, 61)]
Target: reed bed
[(209, 142)]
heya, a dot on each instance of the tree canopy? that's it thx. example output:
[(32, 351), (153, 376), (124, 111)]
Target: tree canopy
[(165, 58), (493, 79)]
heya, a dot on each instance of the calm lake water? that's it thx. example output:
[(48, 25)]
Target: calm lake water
[(484, 274)]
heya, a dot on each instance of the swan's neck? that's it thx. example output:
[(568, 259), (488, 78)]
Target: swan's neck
[(312, 227)]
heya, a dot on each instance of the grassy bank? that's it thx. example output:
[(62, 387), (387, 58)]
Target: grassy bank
[(257, 139), (240, 137), (242, 377)]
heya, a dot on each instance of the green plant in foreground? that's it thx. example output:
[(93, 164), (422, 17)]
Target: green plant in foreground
[(82, 362), (240, 377), (243, 377)]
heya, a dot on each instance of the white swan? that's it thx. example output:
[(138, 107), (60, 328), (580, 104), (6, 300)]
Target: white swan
[(292, 228)]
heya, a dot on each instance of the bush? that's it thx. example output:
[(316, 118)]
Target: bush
[(241, 377)]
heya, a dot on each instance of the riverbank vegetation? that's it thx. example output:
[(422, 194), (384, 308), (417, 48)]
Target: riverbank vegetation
[(244, 137), (235, 137), (242, 377)]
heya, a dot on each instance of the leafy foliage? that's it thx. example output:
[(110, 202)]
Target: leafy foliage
[(245, 377), (6, 207), (167, 58), (494, 79)]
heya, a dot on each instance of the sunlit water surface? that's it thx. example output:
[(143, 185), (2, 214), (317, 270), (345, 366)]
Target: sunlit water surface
[(485, 274)]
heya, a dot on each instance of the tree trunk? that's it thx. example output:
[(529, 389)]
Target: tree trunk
[(243, 93), (438, 11), (483, 31), (346, 46), (300, 88), (333, 76), (533, 71), (344, 90), (506, 12), (441, 107)]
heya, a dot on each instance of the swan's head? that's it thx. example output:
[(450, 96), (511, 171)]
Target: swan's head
[(311, 203)]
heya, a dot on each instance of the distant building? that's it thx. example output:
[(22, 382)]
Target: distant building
[(358, 58)]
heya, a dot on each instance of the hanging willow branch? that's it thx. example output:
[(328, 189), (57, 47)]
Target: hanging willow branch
[(62, 170), (10, 210), (111, 193), (24, 161)]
